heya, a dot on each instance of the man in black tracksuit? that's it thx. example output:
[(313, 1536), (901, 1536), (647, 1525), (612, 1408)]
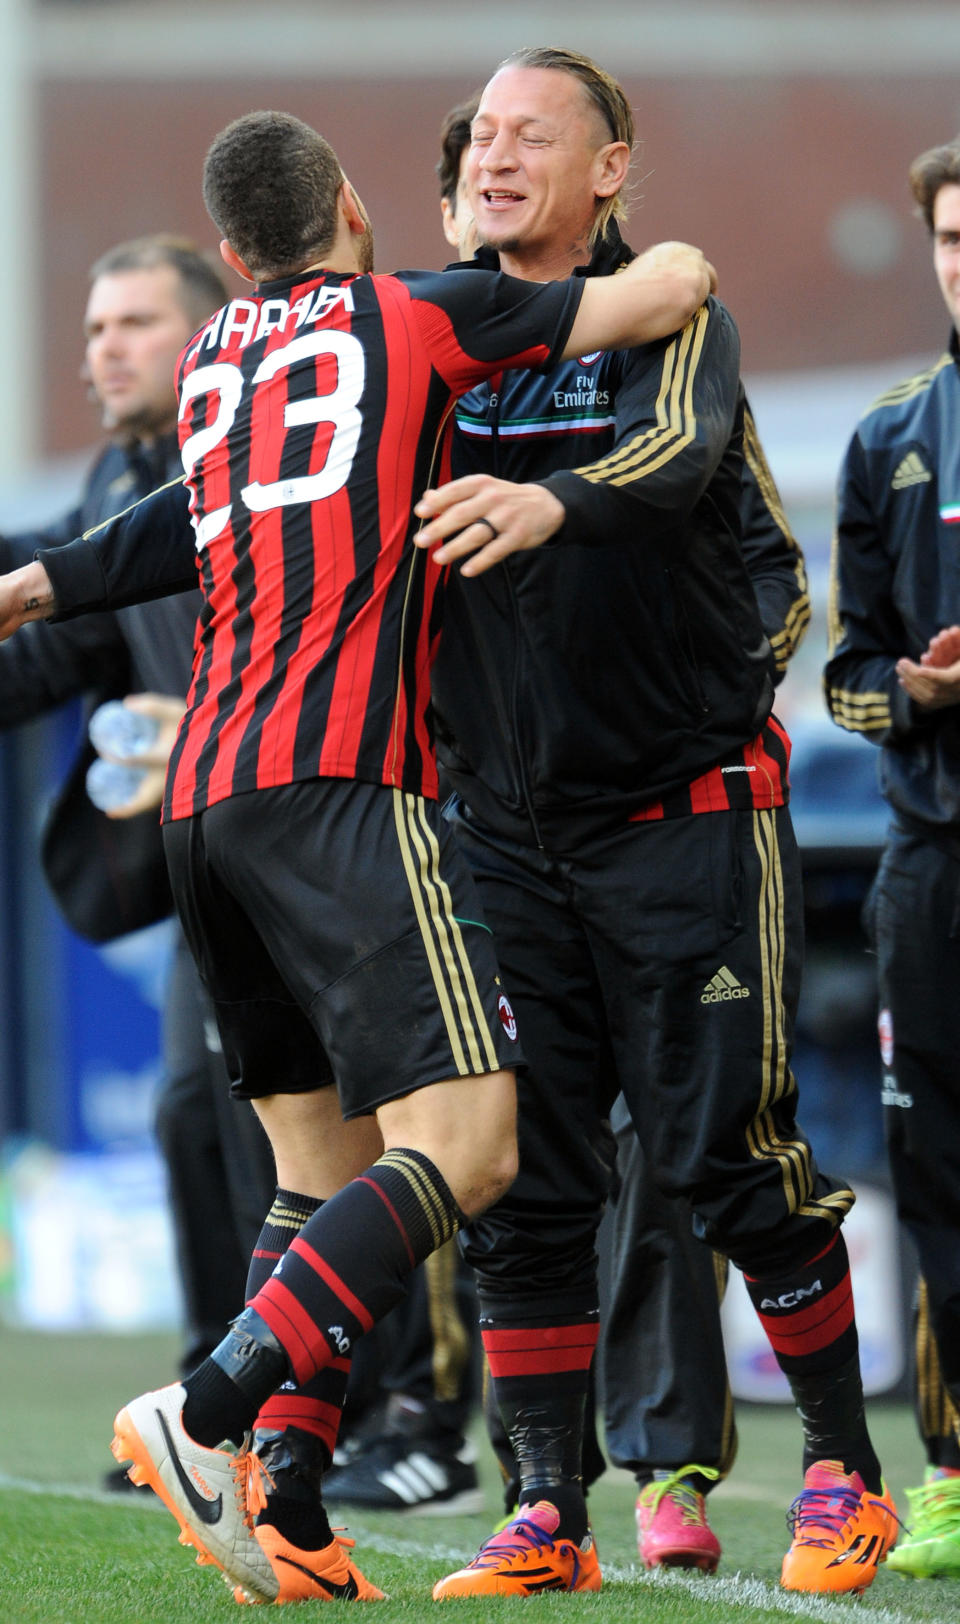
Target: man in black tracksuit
[(604, 717), (109, 877), (667, 1406), (893, 676)]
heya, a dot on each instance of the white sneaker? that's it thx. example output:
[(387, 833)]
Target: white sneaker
[(211, 1492)]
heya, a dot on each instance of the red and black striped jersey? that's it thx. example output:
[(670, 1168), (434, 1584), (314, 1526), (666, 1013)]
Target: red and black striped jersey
[(755, 776), (311, 420)]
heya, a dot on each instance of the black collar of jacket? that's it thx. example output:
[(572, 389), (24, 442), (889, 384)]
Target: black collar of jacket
[(609, 254)]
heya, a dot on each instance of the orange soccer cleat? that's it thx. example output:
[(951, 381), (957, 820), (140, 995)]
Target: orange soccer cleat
[(324, 1575), (524, 1559), (841, 1533)]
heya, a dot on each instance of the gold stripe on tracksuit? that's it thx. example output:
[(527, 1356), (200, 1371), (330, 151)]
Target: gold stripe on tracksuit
[(96, 528), (937, 1412), (860, 712), (451, 1339), (913, 385), (866, 711), (834, 622), (675, 418), (793, 1155), (785, 642), (457, 993)]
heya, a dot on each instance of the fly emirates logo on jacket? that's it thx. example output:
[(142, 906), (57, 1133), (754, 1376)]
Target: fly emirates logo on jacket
[(575, 398)]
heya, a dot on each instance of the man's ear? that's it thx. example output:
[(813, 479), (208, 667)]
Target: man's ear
[(351, 210), (612, 163), (449, 223), (232, 258)]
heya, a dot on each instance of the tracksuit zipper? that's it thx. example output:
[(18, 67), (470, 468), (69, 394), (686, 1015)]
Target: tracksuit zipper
[(524, 781)]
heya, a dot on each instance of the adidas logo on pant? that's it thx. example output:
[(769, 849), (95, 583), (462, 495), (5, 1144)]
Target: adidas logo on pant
[(723, 987)]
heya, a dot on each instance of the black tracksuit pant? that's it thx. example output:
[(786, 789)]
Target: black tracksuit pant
[(913, 919)]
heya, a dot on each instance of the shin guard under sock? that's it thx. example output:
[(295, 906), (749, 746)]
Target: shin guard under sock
[(808, 1317), (225, 1393)]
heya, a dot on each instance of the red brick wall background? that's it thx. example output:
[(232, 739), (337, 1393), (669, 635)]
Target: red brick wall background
[(754, 171)]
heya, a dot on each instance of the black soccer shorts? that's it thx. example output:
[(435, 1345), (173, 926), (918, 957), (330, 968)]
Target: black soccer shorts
[(339, 933)]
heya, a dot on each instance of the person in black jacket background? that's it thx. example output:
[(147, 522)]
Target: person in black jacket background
[(146, 299), (894, 676)]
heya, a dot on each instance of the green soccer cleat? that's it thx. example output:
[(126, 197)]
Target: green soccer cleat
[(931, 1550)]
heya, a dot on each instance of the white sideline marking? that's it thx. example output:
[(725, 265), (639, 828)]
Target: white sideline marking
[(735, 1590), (742, 1590), (78, 1491)]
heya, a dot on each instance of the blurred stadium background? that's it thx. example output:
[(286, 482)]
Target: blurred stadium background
[(778, 136)]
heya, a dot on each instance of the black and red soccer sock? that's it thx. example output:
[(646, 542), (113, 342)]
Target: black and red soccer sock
[(339, 1274), (808, 1316), (296, 1431), (315, 1407), (540, 1371)]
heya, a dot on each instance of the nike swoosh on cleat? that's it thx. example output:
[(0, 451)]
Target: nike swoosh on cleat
[(348, 1590), (208, 1511)]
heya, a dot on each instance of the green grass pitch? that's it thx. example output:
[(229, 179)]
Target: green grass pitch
[(71, 1554)]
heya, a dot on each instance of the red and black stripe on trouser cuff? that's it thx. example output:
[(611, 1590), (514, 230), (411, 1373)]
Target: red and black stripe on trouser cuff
[(560, 1353), (808, 1313), (540, 1372), (349, 1264)]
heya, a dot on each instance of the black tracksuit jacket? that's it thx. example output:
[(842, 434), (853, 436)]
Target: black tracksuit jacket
[(625, 658)]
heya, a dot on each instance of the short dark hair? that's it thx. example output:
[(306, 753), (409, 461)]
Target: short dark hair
[(454, 140), (607, 97), (938, 167), (201, 287), (270, 184)]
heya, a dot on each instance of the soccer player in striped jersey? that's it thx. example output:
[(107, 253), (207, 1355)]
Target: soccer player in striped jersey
[(620, 791), (333, 919)]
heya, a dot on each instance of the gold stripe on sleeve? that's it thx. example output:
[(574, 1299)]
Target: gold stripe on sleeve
[(676, 422)]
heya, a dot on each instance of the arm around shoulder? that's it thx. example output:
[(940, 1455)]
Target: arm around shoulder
[(655, 295)]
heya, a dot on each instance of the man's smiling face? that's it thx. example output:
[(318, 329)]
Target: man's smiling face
[(536, 162)]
